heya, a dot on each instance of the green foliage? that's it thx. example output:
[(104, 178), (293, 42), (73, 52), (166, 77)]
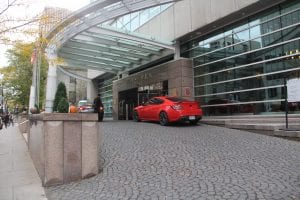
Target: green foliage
[(18, 75), (61, 93), (63, 106)]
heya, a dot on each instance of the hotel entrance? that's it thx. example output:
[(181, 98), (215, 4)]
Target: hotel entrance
[(131, 98), (173, 78)]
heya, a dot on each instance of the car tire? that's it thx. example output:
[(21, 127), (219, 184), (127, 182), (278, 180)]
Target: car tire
[(136, 116), (163, 118)]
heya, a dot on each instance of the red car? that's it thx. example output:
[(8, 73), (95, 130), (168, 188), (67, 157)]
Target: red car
[(85, 106), (168, 109)]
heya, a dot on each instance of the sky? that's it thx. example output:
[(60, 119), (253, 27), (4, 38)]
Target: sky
[(34, 7)]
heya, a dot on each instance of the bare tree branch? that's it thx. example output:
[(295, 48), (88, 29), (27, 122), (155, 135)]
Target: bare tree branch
[(8, 6), (19, 26)]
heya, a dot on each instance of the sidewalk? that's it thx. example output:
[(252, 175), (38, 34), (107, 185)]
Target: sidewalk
[(18, 178)]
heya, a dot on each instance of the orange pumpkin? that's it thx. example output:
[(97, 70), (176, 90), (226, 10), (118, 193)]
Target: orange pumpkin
[(73, 109)]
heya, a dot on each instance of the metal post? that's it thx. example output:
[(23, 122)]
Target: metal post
[(286, 104), (2, 99), (38, 75), (126, 106)]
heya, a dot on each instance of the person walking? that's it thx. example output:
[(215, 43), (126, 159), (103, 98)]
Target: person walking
[(98, 108), (6, 120), (1, 123), (11, 119)]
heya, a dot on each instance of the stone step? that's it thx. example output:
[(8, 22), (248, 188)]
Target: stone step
[(251, 120), (287, 133), (262, 127), (241, 121), (273, 123), (253, 116)]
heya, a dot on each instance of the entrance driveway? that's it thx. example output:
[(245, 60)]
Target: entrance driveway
[(149, 161)]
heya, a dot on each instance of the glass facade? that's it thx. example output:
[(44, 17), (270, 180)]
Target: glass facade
[(133, 21), (241, 68), (105, 89)]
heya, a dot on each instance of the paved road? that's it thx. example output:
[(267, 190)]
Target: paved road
[(148, 161)]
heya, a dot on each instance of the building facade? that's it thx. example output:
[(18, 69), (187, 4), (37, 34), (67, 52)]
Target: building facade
[(240, 54), (239, 66)]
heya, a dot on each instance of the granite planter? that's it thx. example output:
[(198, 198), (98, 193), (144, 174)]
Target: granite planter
[(64, 146)]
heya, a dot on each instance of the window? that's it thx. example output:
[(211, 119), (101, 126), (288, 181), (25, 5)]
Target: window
[(176, 99)]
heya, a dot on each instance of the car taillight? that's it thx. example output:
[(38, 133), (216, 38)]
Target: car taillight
[(177, 107)]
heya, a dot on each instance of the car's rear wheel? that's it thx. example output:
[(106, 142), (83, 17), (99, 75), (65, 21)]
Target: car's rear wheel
[(163, 118), (136, 116)]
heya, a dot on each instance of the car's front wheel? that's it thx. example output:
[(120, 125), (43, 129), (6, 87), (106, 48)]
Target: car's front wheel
[(163, 118), (136, 116)]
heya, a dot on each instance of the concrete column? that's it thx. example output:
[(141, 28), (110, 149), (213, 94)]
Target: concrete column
[(91, 90), (177, 50), (51, 86)]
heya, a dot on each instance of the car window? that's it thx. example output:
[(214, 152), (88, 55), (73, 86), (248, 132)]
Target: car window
[(84, 103), (176, 99), (158, 101), (151, 101)]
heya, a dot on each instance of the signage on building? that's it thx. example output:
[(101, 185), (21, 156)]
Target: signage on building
[(187, 91), (293, 89)]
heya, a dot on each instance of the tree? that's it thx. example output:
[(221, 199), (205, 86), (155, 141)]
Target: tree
[(12, 25), (18, 75), (61, 92), (63, 105)]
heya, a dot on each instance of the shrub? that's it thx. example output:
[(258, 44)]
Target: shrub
[(61, 92), (63, 106)]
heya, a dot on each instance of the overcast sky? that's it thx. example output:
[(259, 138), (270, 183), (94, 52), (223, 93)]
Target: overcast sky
[(33, 8)]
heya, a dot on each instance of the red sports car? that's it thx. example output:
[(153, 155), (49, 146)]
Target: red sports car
[(168, 109)]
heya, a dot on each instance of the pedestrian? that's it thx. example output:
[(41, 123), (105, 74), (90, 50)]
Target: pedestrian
[(6, 120), (11, 119), (98, 108), (1, 123)]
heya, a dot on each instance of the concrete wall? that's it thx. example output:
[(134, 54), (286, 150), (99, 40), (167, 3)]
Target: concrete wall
[(189, 15), (179, 74), (64, 147)]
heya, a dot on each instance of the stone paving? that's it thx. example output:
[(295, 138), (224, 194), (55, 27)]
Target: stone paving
[(148, 161)]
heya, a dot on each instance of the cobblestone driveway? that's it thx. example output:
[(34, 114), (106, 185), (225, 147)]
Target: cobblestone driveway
[(148, 161)]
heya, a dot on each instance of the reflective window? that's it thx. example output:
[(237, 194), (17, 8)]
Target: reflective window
[(135, 20), (241, 69)]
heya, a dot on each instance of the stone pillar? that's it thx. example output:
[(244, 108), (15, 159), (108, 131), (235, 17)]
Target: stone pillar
[(64, 147), (91, 90), (51, 86), (177, 50)]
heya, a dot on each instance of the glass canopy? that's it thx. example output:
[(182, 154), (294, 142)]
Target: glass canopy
[(83, 41)]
